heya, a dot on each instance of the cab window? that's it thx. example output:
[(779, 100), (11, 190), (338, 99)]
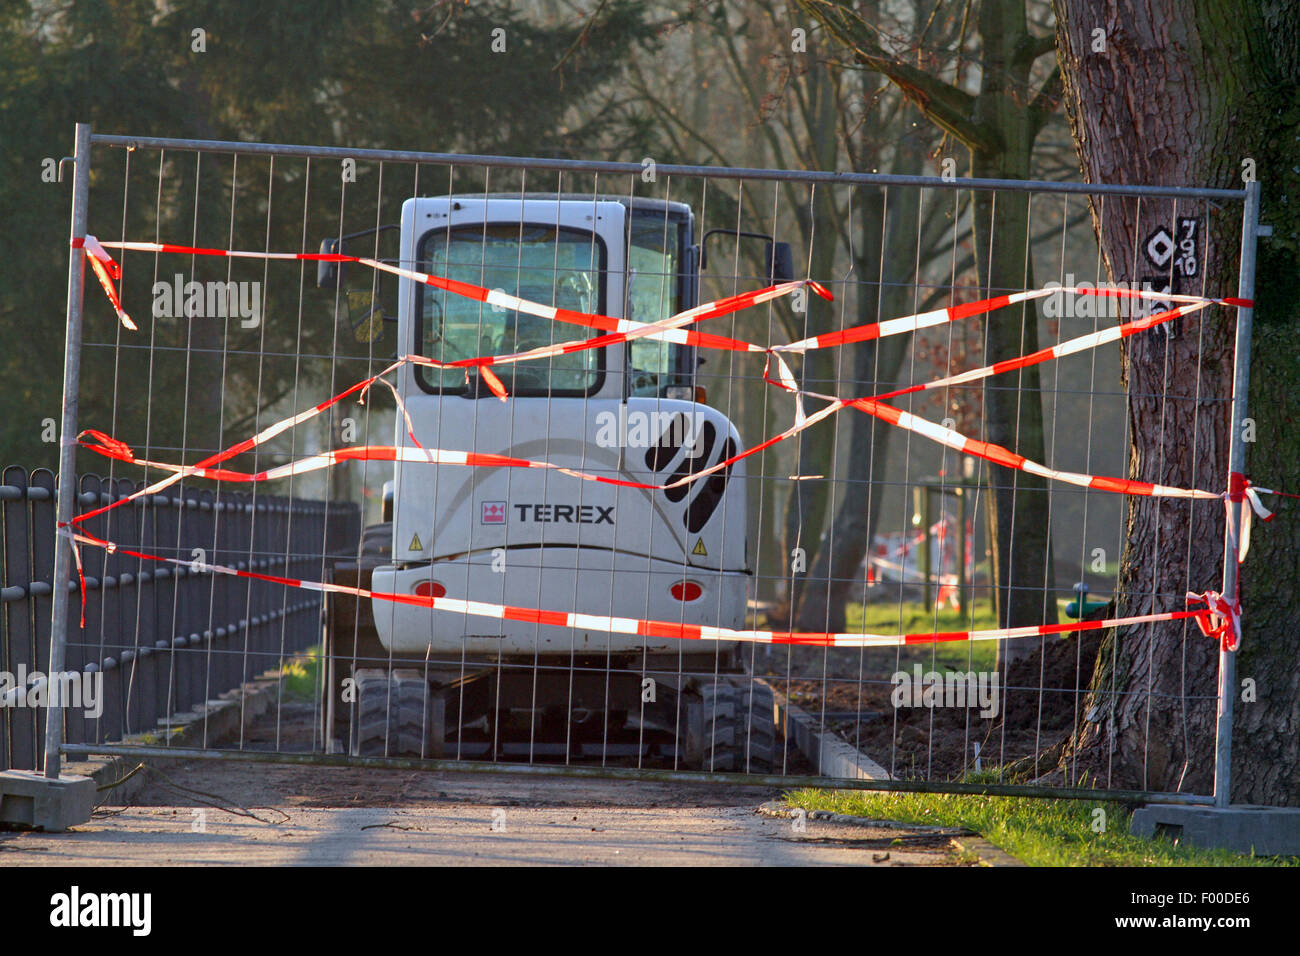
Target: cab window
[(654, 294), (554, 266)]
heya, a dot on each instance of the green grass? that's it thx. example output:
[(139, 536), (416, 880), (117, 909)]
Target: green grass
[(301, 675), (913, 617), (1038, 831)]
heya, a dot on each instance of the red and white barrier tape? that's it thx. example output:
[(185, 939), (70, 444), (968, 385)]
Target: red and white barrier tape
[(997, 454), (420, 455), (667, 330), (1222, 621), (1081, 343), (106, 270), (117, 449), (620, 330), (623, 330), (671, 330), (109, 447), (1240, 490), (955, 313), (1209, 618), (112, 448)]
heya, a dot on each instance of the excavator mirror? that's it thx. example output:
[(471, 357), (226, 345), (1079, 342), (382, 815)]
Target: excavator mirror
[(780, 261), (328, 273)]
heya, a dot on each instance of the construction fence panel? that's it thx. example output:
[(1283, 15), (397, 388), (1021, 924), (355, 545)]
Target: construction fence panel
[(862, 520)]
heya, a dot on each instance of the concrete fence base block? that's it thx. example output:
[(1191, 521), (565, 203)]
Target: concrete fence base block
[(32, 801), (1246, 828)]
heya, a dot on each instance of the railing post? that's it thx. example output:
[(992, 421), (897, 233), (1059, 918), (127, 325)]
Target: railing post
[(67, 490), (1236, 465)]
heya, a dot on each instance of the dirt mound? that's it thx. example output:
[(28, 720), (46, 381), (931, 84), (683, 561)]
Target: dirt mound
[(1042, 697), (1046, 688)]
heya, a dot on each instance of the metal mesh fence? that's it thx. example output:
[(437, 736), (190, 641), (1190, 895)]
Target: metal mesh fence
[(849, 486)]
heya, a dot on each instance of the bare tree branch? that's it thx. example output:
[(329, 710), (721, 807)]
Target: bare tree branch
[(942, 103), (581, 38), (1034, 47), (1046, 101)]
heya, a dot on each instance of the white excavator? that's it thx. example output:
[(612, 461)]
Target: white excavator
[(407, 680)]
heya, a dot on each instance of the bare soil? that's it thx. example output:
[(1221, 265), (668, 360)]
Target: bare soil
[(1040, 704)]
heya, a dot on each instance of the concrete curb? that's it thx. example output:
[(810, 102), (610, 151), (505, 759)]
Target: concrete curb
[(989, 854), (223, 718), (831, 756), (774, 809), (965, 840)]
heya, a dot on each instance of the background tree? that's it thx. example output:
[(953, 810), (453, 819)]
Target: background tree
[(755, 88), (998, 124), (753, 96), (1190, 93), (397, 73)]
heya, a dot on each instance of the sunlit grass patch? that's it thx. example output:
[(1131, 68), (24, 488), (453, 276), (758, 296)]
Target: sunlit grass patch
[(1039, 831)]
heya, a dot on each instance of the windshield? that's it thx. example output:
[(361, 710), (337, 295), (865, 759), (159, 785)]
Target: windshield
[(554, 266)]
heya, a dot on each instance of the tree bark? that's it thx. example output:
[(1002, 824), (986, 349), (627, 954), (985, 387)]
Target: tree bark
[(1180, 92)]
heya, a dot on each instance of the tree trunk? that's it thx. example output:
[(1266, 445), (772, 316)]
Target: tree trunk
[(834, 578), (999, 126), (1013, 409), (807, 506), (1180, 92)]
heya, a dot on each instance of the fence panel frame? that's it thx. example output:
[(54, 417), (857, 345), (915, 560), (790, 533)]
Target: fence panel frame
[(248, 611)]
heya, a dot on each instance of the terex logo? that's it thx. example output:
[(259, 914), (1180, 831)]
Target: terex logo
[(494, 512), (573, 514)]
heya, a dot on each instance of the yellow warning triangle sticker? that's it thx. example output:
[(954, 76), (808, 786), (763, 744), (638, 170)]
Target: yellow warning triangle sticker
[(415, 543), (699, 548)]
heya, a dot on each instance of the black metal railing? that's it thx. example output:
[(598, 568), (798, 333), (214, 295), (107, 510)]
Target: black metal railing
[(166, 637)]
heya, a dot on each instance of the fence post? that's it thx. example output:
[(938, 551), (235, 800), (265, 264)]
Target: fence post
[(1236, 465), (67, 492)]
